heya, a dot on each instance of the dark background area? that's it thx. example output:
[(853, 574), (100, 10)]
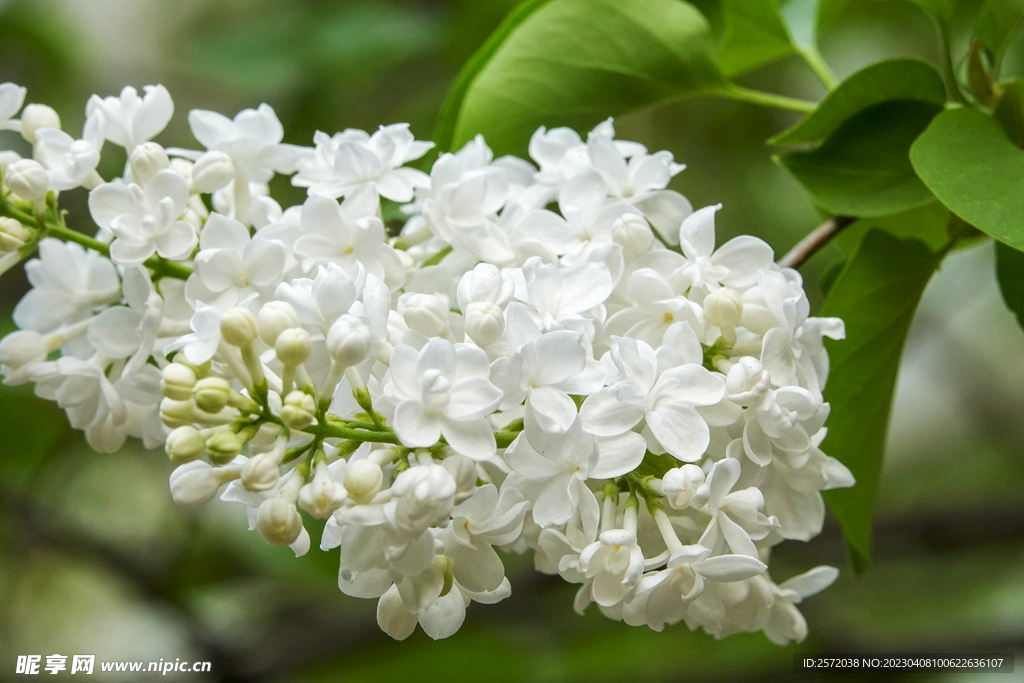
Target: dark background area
[(96, 559)]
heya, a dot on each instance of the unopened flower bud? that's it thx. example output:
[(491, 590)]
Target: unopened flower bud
[(211, 394), (182, 167), (723, 308), (27, 179), (19, 351), (424, 313), (349, 341), (322, 495), (238, 326), (200, 370), (194, 483), (482, 284), (223, 446), (213, 171), (278, 521), (293, 346), (8, 157), (633, 234), (261, 472), (298, 411), (177, 381), (184, 444), (747, 381), (176, 413), (36, 116), (682, 487), (274, 318), (12, 235), (484, 322), (147, 160), (363, 480)]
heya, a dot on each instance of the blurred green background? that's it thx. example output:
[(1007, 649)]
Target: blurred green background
[(94, 557)]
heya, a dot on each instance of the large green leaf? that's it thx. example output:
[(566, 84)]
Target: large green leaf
[(940, 9), (998, 22), (863, 169), (755, 34), (926, 223), (876, 296), (808, 20), (574, 63), (1010, 271), (896, 79), (967, 161)]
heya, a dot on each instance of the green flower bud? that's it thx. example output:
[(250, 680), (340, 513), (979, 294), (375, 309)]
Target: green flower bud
[(184, 444), (211, 394), (176, 413), (293, 346), (177, 382), (223, 446), (363, 480), (278, 521), (238, 326)]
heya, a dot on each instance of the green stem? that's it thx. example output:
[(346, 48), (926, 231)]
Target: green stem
[(436, 258), (947, 62), (819, 67), (737, 92), (505, 438), (329, 430), (161, 267)]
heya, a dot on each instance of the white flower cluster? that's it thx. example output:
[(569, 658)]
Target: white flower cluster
[(549, 356)]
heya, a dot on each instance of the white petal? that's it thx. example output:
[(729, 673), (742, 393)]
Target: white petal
[(393, 617), (444, 618), (604, 415), (680, 430), (731, 567), (414, 427), (472, 438), (619, 455)]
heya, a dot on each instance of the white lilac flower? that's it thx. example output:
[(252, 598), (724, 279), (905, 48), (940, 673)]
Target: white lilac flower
[(231, 264), (352, 160), (522, 369), (347, 235), (666, 398), (443, 390), (131, 120), (68, 283), (71, 163), (145, 220)]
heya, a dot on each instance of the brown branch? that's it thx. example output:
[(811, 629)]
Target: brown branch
[(809, 246)]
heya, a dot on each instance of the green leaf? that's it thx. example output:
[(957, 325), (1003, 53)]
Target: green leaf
[(1010, 271), (863, 169), (574, 63), (967, 161), (896, 79), (36, 429), (876, 296), (925, 223), (827, 15), (807, 20), (998, 21), (940, 9), (1010, 112), (755, 34)]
